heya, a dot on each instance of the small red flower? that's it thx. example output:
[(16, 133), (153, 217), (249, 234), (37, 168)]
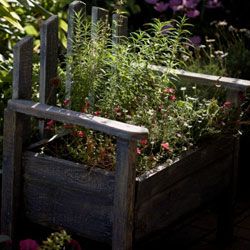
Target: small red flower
[(50, 124), (138, 151), (169, 91), (74, 245), (172, 98), (97, 113), (66, 102), (227, 105), (28, 244), (80, 134), (165, 146), (144, 142)]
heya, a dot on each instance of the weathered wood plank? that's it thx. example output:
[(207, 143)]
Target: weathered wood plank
[(48, 60), (183, 197), (119, 28), (69, 195), (16, 127), (12, 178), (69, 174), (60, 206), (124, 197), (204, 79), (22, 72), (110, 127), (153, 182), (74, 7), (98, 15)]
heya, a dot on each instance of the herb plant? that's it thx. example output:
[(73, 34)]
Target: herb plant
[(117, 81)]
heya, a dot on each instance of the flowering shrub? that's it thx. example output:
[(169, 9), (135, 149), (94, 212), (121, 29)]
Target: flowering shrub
[(188, 7), (117, 82)]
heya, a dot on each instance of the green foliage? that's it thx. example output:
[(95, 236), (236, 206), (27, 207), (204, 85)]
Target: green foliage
[(117, 81)]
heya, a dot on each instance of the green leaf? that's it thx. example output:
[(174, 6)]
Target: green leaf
[(63, 25), (31, 30), (4, 3), (14, 23)]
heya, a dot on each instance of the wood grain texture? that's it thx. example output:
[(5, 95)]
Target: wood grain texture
[(153, 182), (16, 130), (110, 127), (74, 7), (11, 177), (69, 195), (99, 16), (183, 196), (22, 71), (119, 28), (48, 60), (204, 79), (124, 197)]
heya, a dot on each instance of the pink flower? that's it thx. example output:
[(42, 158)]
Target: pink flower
[(176, 5), (80, 134), (227, 105), (151, 1), (74, 245), (169, 90), (97, 113), (161, 6), (144, 142), (138, 151), (50, 124), (165, 146), (28, 244), (193, 13), (172, 98), (66, 102)]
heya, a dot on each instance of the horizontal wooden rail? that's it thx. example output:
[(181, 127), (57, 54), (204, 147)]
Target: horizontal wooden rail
[(110, 127), (204, 79)]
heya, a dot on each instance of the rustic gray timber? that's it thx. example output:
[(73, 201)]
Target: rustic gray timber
[(74, 7), (124, 196), (110, 127), (204, 79), (98, 15), (183, 196), (154, 181), (119, 28), (16, 129), (22, 72), (11, 181), (48, 60), (70, 195)]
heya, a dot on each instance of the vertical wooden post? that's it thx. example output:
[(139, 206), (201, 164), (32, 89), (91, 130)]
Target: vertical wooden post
[(48, 64), (119, 28), (48, 60), (14, 127), (74, 7), (98, 14), (124, 197)]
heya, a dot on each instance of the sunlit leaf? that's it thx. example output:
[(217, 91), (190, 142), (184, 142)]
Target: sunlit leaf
[(14, 23), (63, 25), (31, 30)]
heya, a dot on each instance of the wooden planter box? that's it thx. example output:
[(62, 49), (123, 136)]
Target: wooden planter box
[(57, 192), (101, 205)]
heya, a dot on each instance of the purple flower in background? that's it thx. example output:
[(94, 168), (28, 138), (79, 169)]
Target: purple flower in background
[(193, 13), (151, 1), (161, 6), (191, 4), (213, 4), (176, 5), (195, 40), (28, 244)]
